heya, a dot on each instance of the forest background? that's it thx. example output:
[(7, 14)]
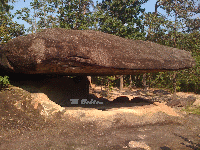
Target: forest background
[(174, 23)]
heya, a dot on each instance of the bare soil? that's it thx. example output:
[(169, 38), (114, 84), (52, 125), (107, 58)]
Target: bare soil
[(31, 121)]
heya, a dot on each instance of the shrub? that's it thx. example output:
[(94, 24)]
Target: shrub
[(4, 82)]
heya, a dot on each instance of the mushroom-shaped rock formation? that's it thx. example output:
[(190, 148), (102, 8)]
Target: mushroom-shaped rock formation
[(86, 52), (83, 52)]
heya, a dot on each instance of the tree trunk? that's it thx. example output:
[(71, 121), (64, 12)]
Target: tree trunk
[(174, 86), (131, 82), (121, 83), (145, 82)]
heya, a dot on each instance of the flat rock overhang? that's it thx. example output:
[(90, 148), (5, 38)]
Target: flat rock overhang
[(92, 70), (73, 68), (84, 71), (82, 52)]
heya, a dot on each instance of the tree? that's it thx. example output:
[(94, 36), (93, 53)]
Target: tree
[(69, 14), (121, 17), (8, 28), (121, 83), (75, 14), (181, 33), (40, 15)]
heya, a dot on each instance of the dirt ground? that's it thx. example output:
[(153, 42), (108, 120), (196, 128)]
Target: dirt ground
[(32, 121)]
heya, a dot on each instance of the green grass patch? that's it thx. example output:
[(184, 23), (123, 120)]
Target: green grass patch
[(193, 110)]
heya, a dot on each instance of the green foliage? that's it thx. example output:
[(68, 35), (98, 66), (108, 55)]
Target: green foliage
[(181, 33), (4, 82), (136, 80), (108, 81), (121, 18), (43, 15), (69, 14), (187, 80), (75, 14), (8, 28)]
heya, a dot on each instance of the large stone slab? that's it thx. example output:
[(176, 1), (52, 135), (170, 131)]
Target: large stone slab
[(88, 52)]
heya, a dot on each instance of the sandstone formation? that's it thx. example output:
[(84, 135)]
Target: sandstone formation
[(86, 52), (50, 56)]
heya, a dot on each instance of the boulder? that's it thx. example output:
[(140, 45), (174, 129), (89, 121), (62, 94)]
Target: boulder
[(175, 102), (121, 99), (61, 53), (87, 52), (182, 102), (187, 101)]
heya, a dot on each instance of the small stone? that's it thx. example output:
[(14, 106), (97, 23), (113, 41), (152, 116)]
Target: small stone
[(137, 144)]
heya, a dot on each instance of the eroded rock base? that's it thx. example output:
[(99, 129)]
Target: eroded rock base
[(59, 89)]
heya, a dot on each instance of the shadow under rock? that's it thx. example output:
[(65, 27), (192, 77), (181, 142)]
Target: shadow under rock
[(104, 104), (73, 92)]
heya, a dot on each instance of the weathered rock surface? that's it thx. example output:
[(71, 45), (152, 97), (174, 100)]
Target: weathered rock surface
[(88, 52), (182, 102)]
